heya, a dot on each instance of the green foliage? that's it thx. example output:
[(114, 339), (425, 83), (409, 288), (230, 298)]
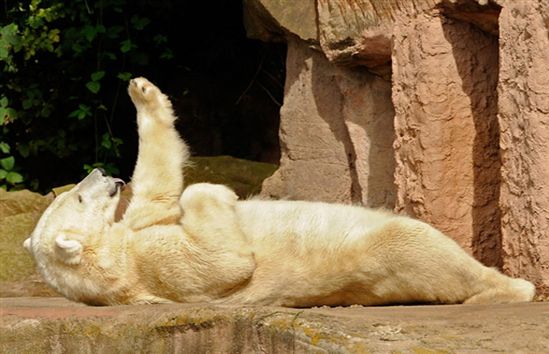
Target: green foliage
[(63, 67), (9, 178)]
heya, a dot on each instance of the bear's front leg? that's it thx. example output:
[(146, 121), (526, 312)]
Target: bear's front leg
[(157, 181)]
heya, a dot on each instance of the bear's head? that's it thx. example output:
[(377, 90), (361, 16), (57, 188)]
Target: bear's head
[(70, 231)]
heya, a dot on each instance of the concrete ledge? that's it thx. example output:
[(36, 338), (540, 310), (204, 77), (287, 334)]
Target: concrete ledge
[(45, 325)]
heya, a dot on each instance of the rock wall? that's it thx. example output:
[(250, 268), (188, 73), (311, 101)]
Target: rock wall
[(436, 108), (523, 112), (446, 143), (339, 118)]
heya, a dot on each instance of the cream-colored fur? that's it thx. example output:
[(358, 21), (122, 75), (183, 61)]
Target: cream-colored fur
[(202, 244)]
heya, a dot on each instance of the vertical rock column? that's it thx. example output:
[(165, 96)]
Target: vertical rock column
[(315, 144), (336, 131), (446, 146), (523, 91), (369, 117)]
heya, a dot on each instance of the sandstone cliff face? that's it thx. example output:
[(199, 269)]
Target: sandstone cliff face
[(523, 112), (339, 117), (446, 122), (436, 108)]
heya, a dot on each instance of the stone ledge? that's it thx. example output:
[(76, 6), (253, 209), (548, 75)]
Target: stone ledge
[(44, 325)]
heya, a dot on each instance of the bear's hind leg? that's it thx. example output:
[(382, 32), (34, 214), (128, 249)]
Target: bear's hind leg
[(212, 226), (210, 218), (502, 289)]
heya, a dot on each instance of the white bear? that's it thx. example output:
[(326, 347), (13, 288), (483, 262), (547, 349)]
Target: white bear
[(202, 244)]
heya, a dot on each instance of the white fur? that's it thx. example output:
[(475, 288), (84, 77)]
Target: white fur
[(202, 244)]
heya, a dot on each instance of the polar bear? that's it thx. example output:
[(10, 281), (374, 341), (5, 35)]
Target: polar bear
[(204, 245)]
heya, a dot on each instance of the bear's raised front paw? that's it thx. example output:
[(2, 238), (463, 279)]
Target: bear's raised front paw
[(147, 97)]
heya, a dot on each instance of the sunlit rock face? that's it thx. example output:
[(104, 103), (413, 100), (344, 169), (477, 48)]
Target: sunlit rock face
[(434, 108)]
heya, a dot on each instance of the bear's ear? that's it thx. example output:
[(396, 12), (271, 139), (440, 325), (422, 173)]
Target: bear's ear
[(68, 251), (27, 244)]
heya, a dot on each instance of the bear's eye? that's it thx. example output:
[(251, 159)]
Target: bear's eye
[(79, 198)]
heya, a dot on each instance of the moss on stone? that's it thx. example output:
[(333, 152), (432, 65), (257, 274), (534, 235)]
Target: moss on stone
[(244, 176), (19, 212)]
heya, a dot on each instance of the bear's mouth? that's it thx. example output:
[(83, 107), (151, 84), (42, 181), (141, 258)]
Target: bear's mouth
[(117, 187)]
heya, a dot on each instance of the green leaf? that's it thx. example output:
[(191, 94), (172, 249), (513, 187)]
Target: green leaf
[(124, 76), (167, 54), (28, 103), (126, 46), (24, 150), (12, 113), (82, 112), (100, 29), (89, 32), (3, 115), (88, 168), (106, 142), (109, 56), (3, 174), (14, 178), (139, 22), (98, 75), (93, 86), (4, 101), (7, 115), (160, 39), (4, 147), (10, 38), (4, 53), (114, 31), (7, 163)]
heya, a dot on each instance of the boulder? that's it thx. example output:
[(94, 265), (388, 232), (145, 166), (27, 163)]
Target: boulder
[(19, 212), (243, 176)]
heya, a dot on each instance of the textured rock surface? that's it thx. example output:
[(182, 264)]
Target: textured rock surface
[(313, 138), (243, 176), (359, 32), (333, 121), (56, 325), (273, 20), (523, 91), (470, 89), (19, 212), (446, 129)]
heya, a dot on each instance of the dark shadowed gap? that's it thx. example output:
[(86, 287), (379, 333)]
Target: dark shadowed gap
[(226, 89)]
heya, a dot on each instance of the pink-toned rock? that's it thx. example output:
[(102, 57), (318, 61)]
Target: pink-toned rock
[(314, 141), (470, 89), (273, 20), (444, 91), (335, 132), (368, 115), (359, 32), (523, 91)]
